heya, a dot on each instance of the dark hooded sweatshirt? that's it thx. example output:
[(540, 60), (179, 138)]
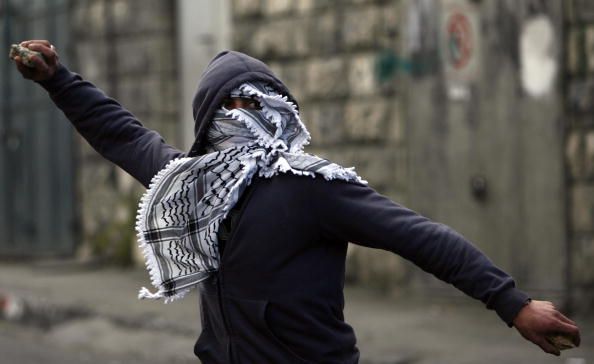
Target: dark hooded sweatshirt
[(278, 296)]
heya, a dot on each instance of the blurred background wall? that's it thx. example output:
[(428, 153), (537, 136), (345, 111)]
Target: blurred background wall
[(475, 113)]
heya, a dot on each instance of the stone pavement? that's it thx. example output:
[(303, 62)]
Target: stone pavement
[(94, 311)]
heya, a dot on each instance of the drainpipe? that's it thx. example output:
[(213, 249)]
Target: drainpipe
[(568, 304), (6, 120), (112, 62)]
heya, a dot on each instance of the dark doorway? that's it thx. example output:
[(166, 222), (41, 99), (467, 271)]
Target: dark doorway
[(36, 142)]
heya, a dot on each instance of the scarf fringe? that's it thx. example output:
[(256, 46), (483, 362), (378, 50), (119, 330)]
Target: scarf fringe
[(150, 260), (247, 171), (144, 293)]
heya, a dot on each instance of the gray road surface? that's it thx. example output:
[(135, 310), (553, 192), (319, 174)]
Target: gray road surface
[(115, 327)]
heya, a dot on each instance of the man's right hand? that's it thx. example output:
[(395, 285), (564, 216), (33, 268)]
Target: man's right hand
[(43, 69)]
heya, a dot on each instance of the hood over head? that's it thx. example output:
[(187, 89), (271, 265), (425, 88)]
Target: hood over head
[(226, 71)]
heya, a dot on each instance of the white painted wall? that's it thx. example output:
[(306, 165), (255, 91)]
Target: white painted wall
[(204, 29)]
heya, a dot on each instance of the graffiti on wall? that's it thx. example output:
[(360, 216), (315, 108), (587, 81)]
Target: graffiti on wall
[(459, 40), (460, 46)]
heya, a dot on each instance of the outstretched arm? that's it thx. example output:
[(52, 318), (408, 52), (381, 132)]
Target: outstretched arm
[(110, 129), (358, 214)]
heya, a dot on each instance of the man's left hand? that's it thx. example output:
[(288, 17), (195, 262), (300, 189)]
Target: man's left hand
[(540, 319)]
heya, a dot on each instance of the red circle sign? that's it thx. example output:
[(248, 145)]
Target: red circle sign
[(459, 40)]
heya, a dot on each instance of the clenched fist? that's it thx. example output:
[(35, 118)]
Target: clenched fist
[(43, 69)]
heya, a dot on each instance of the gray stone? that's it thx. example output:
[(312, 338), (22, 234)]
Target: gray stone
[(325, 123), (582, 208), (313, 6), (246, 8), (278, 7), (91, 60), (95, 18), (300, 41), (574, 51), (278, 38), (88, 19), (322, 31), (277, 69), (98, 199), (243, 37), (145, 55), (268, 41), (589, 47), (581, 95), (360, 27), (142, 16), (568, 9), (293, 75), (389, 25), (573, 154), (305, 6), (400, 182), (583, 255), (362, 79), (366, 120), (583, 10), (326, 78), (396, 127), (140, 96), (589, 155), (126, 184)]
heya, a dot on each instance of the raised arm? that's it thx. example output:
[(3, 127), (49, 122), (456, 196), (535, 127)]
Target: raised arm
[(358, 214), (108, 127)]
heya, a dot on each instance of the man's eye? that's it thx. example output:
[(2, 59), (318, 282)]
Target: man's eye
[(242, 103)]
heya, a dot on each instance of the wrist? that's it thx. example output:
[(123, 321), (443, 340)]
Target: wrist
[(526, 303), (59, 77)]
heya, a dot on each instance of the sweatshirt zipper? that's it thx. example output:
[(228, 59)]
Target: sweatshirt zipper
[(231, 235), (224, 316)]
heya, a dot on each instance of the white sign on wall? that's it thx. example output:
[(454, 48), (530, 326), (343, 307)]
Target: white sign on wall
[(538, 56)]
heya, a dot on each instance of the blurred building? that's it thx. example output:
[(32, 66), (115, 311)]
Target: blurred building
[(476, 113)]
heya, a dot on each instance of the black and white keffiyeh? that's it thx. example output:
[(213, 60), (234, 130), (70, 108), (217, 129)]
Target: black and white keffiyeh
[(180, 214)]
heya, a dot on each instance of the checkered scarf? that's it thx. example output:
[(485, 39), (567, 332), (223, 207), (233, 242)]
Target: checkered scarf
[(180, 214)]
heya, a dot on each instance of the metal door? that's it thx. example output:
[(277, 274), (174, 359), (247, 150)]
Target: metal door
[(485, 135), (36, 163)]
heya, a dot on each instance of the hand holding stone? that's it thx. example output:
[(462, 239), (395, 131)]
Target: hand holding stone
[(36, 60), (541, 323)]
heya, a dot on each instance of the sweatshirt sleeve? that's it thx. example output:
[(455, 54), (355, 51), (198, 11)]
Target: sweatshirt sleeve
[(359, 214), (108, 127)]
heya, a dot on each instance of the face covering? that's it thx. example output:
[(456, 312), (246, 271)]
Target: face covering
[(180, 214)]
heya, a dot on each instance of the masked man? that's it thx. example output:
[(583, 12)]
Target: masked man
[(261, 227)]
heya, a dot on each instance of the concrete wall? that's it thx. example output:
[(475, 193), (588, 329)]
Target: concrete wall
[(341, 60), (338, 58), (579, 143), (127, 48)]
